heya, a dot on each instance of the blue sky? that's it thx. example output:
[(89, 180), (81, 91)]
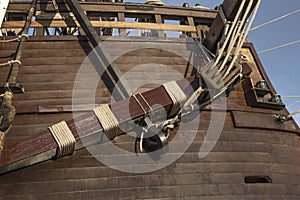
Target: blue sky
[(281, 64)]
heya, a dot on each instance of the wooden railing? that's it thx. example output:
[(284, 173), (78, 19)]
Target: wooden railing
[(188, 20)]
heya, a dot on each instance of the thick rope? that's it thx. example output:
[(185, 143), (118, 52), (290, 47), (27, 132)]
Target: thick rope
[(64, 139), (107, 120), (242, 39), (237, 36), (194, 97), (230, 33), (176, 94)]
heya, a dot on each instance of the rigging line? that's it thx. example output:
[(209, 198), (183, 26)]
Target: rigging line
[(291, 97), (292, 104), (274, 20), (278, 47)]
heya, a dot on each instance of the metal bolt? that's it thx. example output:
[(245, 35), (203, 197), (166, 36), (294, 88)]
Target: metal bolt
[(276, 98), (262, 84)]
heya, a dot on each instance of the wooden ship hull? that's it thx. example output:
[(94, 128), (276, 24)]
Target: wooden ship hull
[(255, 155)]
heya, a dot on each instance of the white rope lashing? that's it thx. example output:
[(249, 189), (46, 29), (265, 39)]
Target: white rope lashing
[(15, 39), (10, 62), (64, 139), (107, 120), (176, 94)]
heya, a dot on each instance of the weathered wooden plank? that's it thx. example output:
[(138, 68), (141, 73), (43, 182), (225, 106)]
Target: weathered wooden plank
[(53, 61), (174, 193), (26, 105), (101, 24), (190, 21), (135, 182), (260, 121), (31, 78), (271, 137), (158, 19), (65, 68), (38, 44), (80, 43), (116, 8), (83, 39), (58, 94), (121, 18), (62, 85)]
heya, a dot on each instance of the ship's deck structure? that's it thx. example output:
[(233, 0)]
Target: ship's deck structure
[(256, 156)]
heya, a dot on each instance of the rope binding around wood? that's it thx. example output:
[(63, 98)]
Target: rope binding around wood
[(107, 120), (64, 138)]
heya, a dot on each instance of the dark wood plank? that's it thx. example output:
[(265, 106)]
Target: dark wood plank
[(116, 8), (260, 121)]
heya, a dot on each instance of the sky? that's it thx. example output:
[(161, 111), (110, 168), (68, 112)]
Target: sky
[(281, 65)]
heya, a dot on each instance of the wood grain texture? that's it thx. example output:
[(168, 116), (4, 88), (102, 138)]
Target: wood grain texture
[(239, 152), (98, 7), (101, 24)]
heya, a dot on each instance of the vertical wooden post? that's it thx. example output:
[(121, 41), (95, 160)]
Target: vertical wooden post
[(39, 31), (158, 20), (121, 18), (191, 23)]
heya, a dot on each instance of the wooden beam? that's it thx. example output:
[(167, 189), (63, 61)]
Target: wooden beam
[(101, 24), (191, 23), (121, 18), (124, 90), (84, 22), (158, 20), (230, 8), (42, 146), (254, 120), (128, 8)]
